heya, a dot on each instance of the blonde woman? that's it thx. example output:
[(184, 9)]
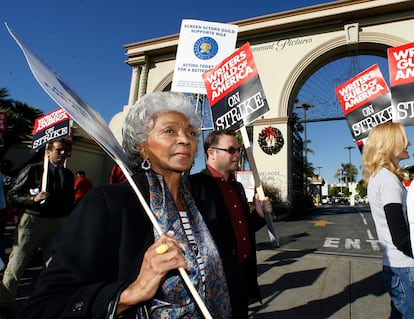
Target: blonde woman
[(385, 148)]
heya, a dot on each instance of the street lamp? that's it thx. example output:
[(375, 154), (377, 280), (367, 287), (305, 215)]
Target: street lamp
[(340, 180), (349, 148), (352, 197)]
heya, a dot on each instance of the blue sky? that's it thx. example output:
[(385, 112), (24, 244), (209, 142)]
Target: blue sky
[(83, 41)]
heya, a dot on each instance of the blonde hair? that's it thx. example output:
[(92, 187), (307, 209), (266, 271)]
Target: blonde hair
[(385, 142)]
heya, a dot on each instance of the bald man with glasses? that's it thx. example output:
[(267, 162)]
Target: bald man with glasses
[(224, 206)]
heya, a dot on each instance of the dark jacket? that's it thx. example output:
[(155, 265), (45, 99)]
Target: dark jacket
[(58, 204), (213, 208), (98, 251)]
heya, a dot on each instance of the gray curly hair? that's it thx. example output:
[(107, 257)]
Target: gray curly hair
[(140, 119)]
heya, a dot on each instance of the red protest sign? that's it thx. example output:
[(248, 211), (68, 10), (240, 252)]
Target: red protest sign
[(401, 64), (49, 127), (366, 102), (361, 89), (401, 67), (45, 121), (234, 90)]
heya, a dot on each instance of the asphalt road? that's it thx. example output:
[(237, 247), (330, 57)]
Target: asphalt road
[(328, 265), (331, 229)]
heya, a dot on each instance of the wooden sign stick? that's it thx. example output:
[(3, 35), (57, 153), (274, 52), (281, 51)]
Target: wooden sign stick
[(258, 185)]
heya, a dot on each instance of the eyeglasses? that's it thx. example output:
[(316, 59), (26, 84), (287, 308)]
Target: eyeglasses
[(61, 150), (230, 150)]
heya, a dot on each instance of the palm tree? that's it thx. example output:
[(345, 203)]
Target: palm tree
[(306, 149), (350, 172), (308, 169), (20, 119), (297, 126), (4, 93)]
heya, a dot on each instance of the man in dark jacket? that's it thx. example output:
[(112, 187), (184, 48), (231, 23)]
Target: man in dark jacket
[(43, 213), (223, 204)]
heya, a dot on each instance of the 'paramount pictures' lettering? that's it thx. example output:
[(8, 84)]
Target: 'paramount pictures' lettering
[(401, 67), (234, 91), (366, 102)]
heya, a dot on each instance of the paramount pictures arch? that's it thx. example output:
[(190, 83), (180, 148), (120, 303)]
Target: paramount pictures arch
[(288, 48)]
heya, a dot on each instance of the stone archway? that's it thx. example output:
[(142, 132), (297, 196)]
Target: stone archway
[(288, 48), (369, 43)]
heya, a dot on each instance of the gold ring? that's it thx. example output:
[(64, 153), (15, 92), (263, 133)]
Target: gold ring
[(161, 249)]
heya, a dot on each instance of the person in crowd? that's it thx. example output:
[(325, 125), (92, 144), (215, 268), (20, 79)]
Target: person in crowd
[(3, 211), (225, 209), (116, 175), (44, 213), (82, 185), (109, 259), (386, 146), (6, 213), (410, 171)]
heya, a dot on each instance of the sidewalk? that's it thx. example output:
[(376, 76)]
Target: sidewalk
[(309, 285)]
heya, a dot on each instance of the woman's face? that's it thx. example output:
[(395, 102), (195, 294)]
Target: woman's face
[(403, 154), (171, 144)]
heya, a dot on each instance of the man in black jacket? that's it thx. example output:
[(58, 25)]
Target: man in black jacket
[(43, 213), (225, 209)]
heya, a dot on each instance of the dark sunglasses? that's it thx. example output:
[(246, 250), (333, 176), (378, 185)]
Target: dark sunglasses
[(230, 150), (60, 150)]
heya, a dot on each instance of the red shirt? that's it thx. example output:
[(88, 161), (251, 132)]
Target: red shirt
[(82, 186), (236, 214), (116, 175)]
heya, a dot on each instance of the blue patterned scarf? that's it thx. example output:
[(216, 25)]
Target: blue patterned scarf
[(201, 254)]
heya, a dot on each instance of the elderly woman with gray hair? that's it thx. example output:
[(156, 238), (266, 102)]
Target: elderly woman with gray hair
[(109, 261)]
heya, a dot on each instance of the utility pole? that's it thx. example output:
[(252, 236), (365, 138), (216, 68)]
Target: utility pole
[(350, 184), (349, 148)]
